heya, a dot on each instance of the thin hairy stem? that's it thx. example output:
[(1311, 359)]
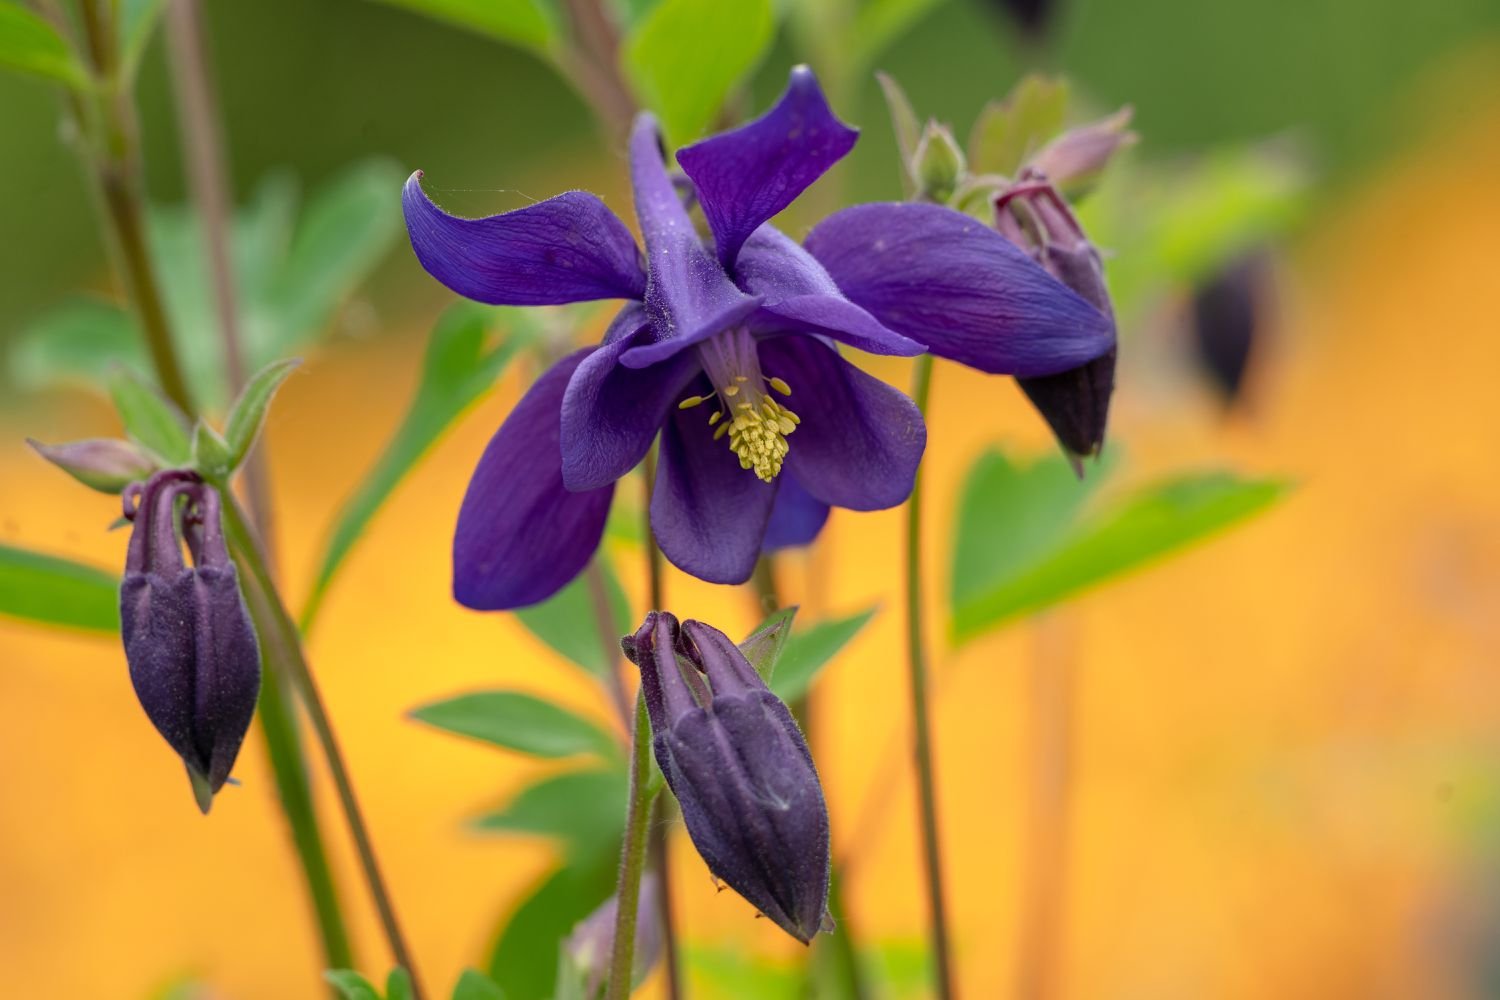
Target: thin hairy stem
[(282, 644), (916, 658), (609, 638), (632, 855)]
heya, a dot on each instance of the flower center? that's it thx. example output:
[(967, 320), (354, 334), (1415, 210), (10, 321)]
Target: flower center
[(757, 425)]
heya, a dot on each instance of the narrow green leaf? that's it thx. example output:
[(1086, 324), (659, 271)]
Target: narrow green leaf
[(764, 646), (57, 591), (686, 57), (210, 453), (1009, 516), (583, 809), (904, 123), (398, 985), (517, 721), (528, 23), (137, 21), (810, 649), (151, 421), (29, 44), (248, 414), (351, 985), (567, 621), (474, 985), (1161, 519), (524, 960), (458, 368), (1007, 132)]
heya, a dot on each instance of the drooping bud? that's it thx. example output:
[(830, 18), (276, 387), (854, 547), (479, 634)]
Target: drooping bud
[(1074, 160), (105, 464), (588, 949), (1227, 316), (937, 165), (1075, 403), (192, 651), (740, 768)]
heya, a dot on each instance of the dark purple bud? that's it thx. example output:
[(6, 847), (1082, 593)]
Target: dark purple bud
[(1033, 17), (193, 655), (1226, 318), (1075, 403), (592, 943), (104, 464), (740, 768)]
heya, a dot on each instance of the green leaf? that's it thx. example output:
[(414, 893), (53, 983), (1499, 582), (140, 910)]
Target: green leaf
[(518, 722), (567, 621), (398, 985), (528, 23), (1010, 516), (904, 123), (1007, 132), (809, 650), (29, 44), (80, 343), (584, 809), (686, 57), (1127, 535), (474, 985), (210, 453), (248, 414), (150, 420), (764, 646), (137, 21), (351, 985), (57, 591), (524, 960), (459, 366)]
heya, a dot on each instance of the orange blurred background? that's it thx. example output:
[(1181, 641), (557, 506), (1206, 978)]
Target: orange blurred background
[(1283, 778)]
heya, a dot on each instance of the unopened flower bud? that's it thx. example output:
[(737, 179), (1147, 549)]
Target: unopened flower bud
[(104, 464), (1074, 160), (1075, 403), (740, 768), (589, 948), (193, 656), (1227, 317), (938, 164)]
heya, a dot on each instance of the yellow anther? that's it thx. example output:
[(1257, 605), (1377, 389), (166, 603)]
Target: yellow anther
[(731, 390), (742, 379), (690, 402), (720, 432), (715, 418), (780, 385)]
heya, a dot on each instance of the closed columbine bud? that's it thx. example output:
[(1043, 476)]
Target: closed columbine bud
[(192, 651), (1075, 403), (587, 951), (104, 464), (1228, 316), (1074, 160), (740, 769), (938, 165)]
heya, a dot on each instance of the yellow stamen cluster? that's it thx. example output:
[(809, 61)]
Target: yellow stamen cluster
[(757, 427)]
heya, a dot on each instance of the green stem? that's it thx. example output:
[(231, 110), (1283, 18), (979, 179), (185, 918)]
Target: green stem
[(632, 854), (279, 726), (282, 644), (916, 658)]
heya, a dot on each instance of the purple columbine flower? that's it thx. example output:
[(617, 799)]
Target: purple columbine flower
[(1033, 307), (727, 350), (193, 656), (740, 769)]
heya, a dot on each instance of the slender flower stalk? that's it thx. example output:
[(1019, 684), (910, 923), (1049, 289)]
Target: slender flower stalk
[(283, 645), (916, 659), (632, 854)]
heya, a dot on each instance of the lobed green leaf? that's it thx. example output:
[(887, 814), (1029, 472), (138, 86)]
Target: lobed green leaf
[(29, 44), (809, 650), (54, 591), (150, 420), (583, 809), (519, 722), (568, 624)]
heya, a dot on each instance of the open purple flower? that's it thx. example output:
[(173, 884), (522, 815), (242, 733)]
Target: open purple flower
[(728, 351)]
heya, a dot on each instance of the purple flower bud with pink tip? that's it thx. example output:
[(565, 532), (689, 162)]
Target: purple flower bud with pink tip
[(193, 656), (740, 768)]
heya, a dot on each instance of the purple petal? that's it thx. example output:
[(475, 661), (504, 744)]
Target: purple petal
[(610, 413), (860, 441), (959, 287), (796, 518), (745, 176), (521, 534), (707, 513), (801, 297), (570, 248), (689, 297)]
